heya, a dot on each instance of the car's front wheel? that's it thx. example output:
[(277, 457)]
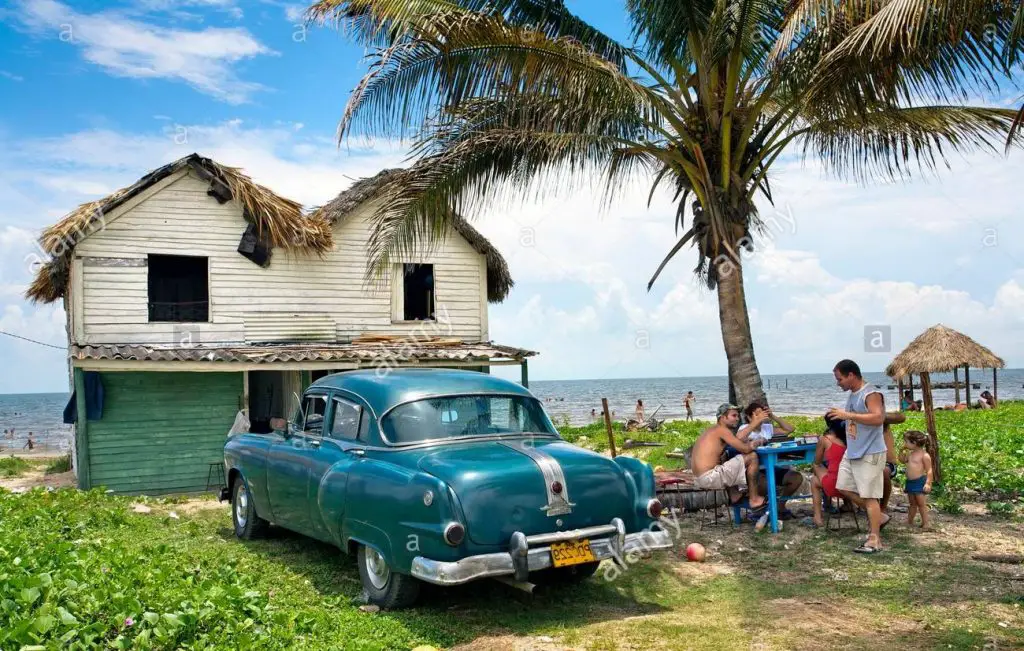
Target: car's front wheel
[(385, 587), (248, 525)]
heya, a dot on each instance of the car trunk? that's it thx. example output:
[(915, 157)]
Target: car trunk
[(502, 490)]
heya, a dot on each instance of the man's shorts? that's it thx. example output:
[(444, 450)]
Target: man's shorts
[(731, 473), (864, 476)]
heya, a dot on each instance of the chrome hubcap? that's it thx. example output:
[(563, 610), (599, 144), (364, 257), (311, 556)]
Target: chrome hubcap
[(376, 568), (241, 506)]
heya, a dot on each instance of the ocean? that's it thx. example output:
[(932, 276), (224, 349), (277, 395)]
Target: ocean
[(811, 394), (38, 414)]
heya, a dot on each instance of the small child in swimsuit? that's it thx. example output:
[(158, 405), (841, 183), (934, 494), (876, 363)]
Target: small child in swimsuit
[(919, 475)]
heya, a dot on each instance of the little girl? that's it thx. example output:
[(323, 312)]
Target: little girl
[(919, 475)]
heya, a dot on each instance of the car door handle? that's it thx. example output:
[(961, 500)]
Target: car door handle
[(357, 452), (314, 443)]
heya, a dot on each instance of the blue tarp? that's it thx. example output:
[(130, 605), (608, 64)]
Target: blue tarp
[(93, 400)]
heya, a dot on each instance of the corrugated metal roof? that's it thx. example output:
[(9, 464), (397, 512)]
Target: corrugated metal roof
[(399, 352)]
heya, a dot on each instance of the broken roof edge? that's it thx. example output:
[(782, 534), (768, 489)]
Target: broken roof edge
[(279, 221)]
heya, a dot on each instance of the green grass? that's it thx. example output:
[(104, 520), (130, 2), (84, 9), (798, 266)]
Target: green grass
[(13, 466), (59, 465), (81, 570), (982, 451)]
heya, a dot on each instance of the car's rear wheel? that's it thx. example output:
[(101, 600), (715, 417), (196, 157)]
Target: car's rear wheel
[(248, 524), (564, 575), (385, 587)]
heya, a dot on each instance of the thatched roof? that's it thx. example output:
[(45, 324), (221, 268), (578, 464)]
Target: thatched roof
[(499, 280), (279, 221), (940, 349)]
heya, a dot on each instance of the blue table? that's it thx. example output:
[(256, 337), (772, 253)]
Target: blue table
[(768, 455)]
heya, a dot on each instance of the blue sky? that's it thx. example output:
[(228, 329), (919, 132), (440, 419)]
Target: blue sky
[(95, 94)]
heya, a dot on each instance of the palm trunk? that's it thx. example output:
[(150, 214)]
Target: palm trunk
[(744, 378)]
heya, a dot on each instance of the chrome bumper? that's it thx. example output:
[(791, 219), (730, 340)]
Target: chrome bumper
[(531, 553)]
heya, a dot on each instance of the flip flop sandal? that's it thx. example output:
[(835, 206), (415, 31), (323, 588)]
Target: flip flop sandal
[(885, 524), (867, 549), (809, 522)]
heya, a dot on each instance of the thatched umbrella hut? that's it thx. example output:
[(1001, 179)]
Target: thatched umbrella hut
[(939, 350)]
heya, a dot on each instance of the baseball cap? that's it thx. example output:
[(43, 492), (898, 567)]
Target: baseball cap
[(724, 408)]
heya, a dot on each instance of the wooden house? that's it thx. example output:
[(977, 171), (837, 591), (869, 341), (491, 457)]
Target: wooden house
[(196, 293)]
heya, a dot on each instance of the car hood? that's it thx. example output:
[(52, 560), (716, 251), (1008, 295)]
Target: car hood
[(502, 486)]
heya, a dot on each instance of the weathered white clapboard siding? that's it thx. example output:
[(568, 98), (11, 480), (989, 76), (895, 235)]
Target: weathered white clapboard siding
[(298, 294)]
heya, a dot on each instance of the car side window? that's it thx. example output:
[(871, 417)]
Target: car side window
[(345, 422), (313, 409)]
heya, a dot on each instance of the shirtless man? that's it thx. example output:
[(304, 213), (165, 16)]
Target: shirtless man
[(734, 475)]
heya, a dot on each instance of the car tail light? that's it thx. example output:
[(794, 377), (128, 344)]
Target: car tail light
[(454, 534), (556, 487), (655, 509)]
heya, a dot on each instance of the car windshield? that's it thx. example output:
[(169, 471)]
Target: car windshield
[(460, 416)]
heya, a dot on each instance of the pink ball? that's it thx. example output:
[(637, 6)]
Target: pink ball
[(695, 552)]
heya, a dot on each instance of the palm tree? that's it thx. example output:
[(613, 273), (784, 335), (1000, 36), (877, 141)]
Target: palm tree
[(510, 96)]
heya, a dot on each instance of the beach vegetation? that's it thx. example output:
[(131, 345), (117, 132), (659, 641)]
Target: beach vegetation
[(59, 465), (13, 466)]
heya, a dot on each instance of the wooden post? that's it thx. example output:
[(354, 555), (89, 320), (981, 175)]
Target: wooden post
[(525, 374), (82, 432), (956, 386), (899, 392), (995, 388), (608, 425), (911, 376), (967, 384), (929, 418)]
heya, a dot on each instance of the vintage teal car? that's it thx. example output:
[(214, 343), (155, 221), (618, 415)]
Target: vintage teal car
[(440, 476)]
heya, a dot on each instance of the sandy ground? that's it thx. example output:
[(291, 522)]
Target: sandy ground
[(39, 453), (34, 478)]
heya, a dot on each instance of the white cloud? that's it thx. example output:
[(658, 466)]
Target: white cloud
[(204, 59), (10, 75), (295, 13)]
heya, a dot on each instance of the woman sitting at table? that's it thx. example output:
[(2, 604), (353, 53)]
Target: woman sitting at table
[(828, 455)]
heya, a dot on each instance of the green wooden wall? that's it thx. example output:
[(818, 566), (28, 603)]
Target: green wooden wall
[(160, 431)]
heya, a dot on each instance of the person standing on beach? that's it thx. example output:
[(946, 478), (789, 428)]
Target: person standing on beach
[(861, 473), (640, 412), (30, 444), (688, 403)]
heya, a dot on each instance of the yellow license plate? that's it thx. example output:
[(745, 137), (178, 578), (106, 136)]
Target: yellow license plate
[(571, 553)]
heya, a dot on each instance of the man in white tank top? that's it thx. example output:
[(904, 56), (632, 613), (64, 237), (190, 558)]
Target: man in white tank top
[(861, 473)]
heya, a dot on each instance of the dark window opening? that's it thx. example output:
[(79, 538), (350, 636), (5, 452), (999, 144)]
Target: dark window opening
[(178, 289), (418, 292)]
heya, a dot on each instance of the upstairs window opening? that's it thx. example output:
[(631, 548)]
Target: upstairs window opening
[(418, 292), (179, 289)]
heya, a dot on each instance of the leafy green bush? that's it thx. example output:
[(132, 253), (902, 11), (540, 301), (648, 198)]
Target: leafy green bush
[(13, 466), (1001, 509), (59, 465), (77, 570)]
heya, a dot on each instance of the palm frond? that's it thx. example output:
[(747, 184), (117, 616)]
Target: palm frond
[(452, 58), (890, 143), (496, 165), (935, 49)]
